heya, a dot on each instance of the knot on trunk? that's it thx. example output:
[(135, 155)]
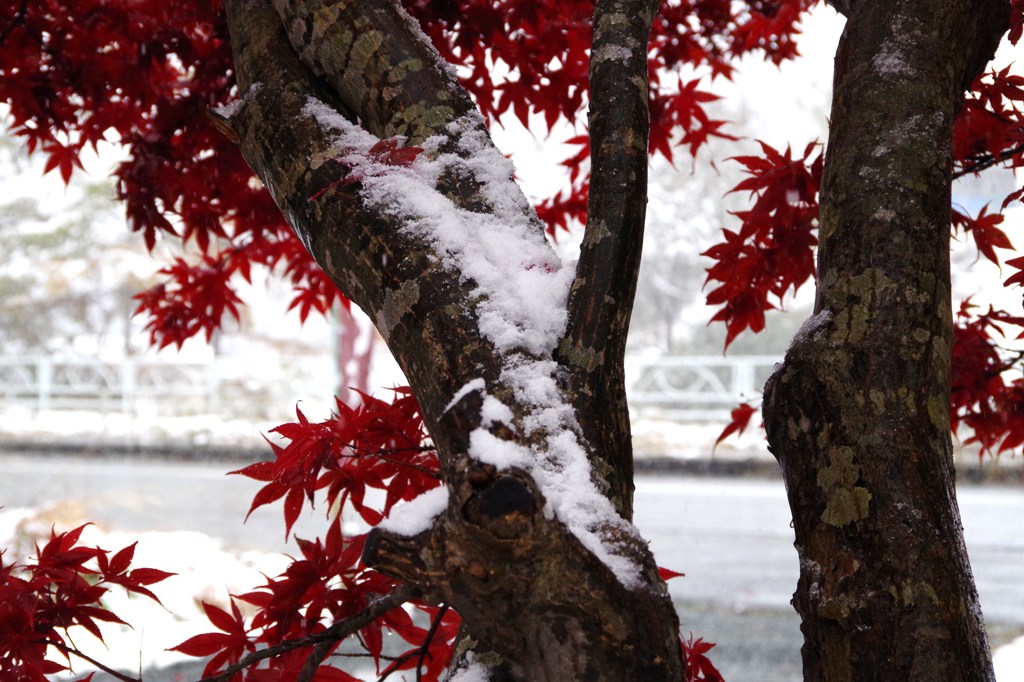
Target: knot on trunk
[(505, 506)]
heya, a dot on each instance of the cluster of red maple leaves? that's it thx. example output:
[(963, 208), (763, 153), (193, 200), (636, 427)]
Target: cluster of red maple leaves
[(379, 445), (771, 254), (142, 73), (60, 589)]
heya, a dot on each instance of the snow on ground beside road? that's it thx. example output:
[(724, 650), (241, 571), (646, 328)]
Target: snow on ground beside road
[(675, 511), (23, 424), (1009, 661), (667, 438), (205, 572)]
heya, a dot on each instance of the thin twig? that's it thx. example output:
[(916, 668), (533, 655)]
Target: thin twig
[(426, 642), (986, 163), (335, 632), (397, 663), (420, 652), (366, 452), (110, 671), (18, 18), (315, 658)]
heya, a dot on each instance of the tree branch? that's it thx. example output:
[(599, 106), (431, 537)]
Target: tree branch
[(395, 277), (335, 633), (380, 64), (376, 58), (315, 658), (971, 166), (858, 413), (423, 305), (484, 553), (601, 299), (500, 560), (75, 652), (421, 653)]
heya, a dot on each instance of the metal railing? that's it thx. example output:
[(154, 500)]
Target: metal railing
[(124, 385), (680, 388), (696, 387)]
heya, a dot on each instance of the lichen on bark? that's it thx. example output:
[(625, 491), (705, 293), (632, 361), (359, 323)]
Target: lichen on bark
[(858, 413)]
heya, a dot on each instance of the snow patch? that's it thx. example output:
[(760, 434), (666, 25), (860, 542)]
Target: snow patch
[(812, 326), (417, 515), (203, 570), (562, 472), (522, 283), (11, 520), (485, 447), (475, 672), (494, 411), (231, 108), (1008, 661), (522, 287), (228, 110), (477, 384)]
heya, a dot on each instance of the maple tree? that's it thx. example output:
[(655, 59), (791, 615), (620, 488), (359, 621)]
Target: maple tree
[(353, 121)]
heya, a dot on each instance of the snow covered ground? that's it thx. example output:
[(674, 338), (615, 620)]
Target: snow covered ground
[(205, 572), (1009, 661)]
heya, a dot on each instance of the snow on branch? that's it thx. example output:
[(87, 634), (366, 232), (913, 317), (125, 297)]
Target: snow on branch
[(521, 288), (520, 281)]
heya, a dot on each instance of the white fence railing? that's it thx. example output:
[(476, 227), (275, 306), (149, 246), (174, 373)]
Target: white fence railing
[(696, 387), (125, 385), (680, 388)]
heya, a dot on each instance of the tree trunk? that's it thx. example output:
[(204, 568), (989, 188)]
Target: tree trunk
[(533, 548), (858, 414)]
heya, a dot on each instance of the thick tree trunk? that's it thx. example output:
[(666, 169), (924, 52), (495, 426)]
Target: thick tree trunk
[(537, 556), (858, 414)]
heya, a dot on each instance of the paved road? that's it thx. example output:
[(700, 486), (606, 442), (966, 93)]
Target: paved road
[(731, 538)]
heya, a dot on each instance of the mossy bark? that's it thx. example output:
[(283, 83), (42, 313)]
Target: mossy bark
[(601, 300), (858, 414)]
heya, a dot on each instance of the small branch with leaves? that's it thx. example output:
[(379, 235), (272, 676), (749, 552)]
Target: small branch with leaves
[(332, 635)]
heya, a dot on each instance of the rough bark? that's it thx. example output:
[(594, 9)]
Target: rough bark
[(858, 414), (601, 299), (537, 603)]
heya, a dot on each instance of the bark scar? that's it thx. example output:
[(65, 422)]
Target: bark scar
[(397, 303), (846, 501)]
